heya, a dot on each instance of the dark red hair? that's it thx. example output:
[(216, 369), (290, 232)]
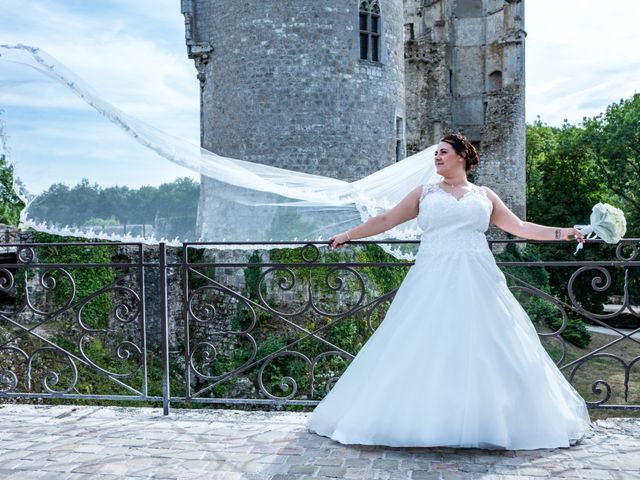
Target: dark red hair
[(464, 148)]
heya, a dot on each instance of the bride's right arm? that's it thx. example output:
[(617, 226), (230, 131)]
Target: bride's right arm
[(404, 211)]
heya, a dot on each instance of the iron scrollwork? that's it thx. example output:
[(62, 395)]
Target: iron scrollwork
[(281, 339), (205, 312), (36, 360)]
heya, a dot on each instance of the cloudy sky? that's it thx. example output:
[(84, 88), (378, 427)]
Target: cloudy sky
[(581, 55)]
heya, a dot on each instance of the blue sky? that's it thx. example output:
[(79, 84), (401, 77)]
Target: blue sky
[(581, 55)]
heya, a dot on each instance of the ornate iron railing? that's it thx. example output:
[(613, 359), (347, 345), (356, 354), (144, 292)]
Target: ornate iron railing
[(237, 324)]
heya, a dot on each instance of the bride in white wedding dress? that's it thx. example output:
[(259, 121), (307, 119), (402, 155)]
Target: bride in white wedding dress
[(456, 361)]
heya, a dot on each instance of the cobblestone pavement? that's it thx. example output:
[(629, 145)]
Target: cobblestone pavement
[(65, 442)]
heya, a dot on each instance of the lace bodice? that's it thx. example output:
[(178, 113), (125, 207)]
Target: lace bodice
[(454, 225)]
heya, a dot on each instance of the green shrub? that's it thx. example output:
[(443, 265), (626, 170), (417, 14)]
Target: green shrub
[(539, 310), (87, 281)]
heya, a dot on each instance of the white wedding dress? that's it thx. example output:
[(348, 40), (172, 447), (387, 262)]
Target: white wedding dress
[(456, 361)]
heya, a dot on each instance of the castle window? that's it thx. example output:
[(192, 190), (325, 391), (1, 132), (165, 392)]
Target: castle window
[(370, 29), (409, 34), (495, 80), (399, 139)]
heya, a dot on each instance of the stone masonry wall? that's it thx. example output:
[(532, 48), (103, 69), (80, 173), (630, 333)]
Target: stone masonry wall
[(283, 84), (464, 70)]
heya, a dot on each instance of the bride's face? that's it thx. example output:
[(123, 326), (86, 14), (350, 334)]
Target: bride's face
[(447, 160)]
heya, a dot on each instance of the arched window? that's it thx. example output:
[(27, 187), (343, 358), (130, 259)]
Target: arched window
[(370, 30), (495, 80)]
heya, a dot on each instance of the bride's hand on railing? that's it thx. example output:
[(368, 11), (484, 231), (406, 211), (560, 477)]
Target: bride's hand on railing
[(339, 240), (572, 234)]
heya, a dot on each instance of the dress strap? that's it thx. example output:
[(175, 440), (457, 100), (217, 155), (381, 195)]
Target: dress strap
[(428, 188), (482, 190)]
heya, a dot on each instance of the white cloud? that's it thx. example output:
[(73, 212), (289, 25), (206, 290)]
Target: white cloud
[(129, 69), (132, 54), (581, 56)]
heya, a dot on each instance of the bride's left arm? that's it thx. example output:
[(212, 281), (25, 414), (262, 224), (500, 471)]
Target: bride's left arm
[(506, 220)]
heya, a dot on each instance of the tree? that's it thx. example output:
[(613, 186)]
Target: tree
[(541, 143), (116, 202), (569, 170), (614, 137), (10, 203), (563, 180), (175, 204)]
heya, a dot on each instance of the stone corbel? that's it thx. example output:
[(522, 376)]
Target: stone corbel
[(201, 63), (200, 52)]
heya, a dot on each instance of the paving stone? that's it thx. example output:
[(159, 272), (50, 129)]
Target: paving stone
[(444, 466), (595, 474), (457, 476), (372, 454), (344, 452), (266, 448), (562, 472), (473, 467), (385, 464), (425, 475), (299, 460), (290, 451), (27, 475), (533, 472), (429, 456), (211, 476), (357, 462), (302, 469), (334, 472), (629, 460), (381, 475), (398, 454), (415, 464), (625, 475), (334, 461), (359, 473), (109, 443), (319, 477)]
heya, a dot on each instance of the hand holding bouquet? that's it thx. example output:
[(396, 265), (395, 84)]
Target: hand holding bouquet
[(606, 222)]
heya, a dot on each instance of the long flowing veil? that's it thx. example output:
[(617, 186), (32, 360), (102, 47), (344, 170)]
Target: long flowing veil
[(272, 204)]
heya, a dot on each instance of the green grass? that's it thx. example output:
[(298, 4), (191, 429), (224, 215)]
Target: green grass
[(608, 370)]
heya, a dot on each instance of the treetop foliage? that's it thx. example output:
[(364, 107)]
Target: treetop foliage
[(10, 203), (115, 205), (570, 168)]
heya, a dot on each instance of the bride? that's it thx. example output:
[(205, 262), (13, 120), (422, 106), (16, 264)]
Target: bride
[(456, 361)]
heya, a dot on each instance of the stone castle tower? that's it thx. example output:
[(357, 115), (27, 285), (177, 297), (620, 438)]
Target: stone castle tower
[(345, 87)]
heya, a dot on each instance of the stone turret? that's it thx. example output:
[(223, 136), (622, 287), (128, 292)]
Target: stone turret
[(313, 86), (465, 70)]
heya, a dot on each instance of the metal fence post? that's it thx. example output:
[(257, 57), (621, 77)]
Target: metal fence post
[(164, 321)]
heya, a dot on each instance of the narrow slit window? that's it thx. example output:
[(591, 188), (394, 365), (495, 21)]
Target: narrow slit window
[(399, 139), (370, 30)]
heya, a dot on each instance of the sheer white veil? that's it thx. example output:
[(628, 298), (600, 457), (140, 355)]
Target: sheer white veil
[(323, 206)]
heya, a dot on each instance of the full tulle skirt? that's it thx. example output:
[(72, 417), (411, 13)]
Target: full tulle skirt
[(456, 362)]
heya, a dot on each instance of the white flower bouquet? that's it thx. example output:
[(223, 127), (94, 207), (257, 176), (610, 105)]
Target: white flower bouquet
[(606, 222)]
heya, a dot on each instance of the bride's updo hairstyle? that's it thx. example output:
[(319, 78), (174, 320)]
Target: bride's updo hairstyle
[(464, 148)]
